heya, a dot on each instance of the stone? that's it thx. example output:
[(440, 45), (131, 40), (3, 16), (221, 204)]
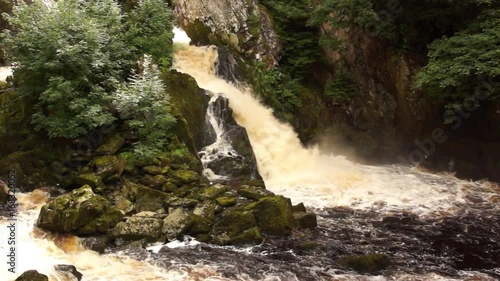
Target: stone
[(124, 205), (235, 227), (226, 201), (4, 193), (111, 145), (206, 210), (186, 176), (176, 224), (109, 165), (139, 227), (305, 220), (213, 191), (146, 199), (299, 208), (180, 202), (254, 192), (153, 170), (69, 270), (366, 263), (199, 225), (96, 243), (80, 212), (91, 179), (32, 275), (273, 215), (169, 187)]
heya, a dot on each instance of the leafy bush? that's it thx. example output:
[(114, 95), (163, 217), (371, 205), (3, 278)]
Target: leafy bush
[(150, 27), (341, 88), (144, 103), (276, 90), (458, 63), (72, 56)]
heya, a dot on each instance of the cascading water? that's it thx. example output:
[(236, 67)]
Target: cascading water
[(221, 148)]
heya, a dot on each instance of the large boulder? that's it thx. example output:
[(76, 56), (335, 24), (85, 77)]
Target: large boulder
[(80, 212), (273, 215), (176, 224), (145, 198), (32, 275), (235, 227), (140, 226)]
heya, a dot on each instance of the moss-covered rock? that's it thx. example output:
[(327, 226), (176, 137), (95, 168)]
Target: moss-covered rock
[(90, 179), (226, 201), (299, 208), (273, 215), (153, 170), (137, 227), (174, 202), (109, 165), (111, 145), (366, 263), (305, 220), (123, 204), (199, 225), (235, 227), (254, 192), (145, 198), (206, 210), (80, 212), (185, 176), (32, 275), (213, 191), (176, 224)]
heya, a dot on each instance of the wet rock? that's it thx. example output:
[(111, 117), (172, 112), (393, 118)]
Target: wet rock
[(273, 215), (199, 225), (254, 192), (213, 191), (69, 270), (139, 226), (153, 170), (80, 212), (206, 210), (366, 263), (186, 176), (32, 275), (90, 179), (146, 199), (226, 201), (236, 227), (176, 224), (109, 165), (4, 193), (124, 205), (111, 146), (299, 208), (96, 243), (180, 202), (169, 187), (305, 220)]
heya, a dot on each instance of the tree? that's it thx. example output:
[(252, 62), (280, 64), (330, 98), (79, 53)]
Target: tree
[(68, 59), (458, 63), (144, 103)]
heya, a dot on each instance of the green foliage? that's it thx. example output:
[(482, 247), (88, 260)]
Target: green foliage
[(341, 88), (299, 41), (458, 63), (144, 102), (150, 26), (276, 90), (68, 59), (73, 55)]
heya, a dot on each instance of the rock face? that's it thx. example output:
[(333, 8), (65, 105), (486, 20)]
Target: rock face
[(80, 212), (240, 163), (240, 24)]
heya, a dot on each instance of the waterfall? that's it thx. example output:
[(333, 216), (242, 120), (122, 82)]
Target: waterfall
[(307, 175)]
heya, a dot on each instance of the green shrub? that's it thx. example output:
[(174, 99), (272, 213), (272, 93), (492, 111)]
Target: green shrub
[(341, 88), (144, 103)]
